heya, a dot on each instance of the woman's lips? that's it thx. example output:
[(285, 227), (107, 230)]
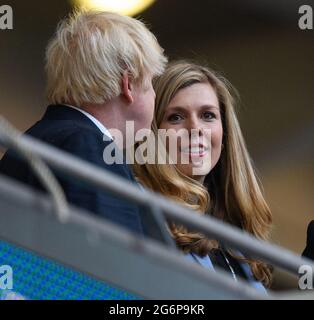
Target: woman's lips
[(195, 151)]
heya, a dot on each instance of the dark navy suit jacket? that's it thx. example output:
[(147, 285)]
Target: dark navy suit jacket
[(71, 131)]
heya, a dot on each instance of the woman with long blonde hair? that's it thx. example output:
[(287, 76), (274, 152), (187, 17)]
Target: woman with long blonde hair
[(218, 179)]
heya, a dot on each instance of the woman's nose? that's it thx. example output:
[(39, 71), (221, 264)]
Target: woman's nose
[(193, 123), (195, 126)]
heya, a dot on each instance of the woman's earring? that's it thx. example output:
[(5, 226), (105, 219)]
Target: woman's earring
[(222, 146)]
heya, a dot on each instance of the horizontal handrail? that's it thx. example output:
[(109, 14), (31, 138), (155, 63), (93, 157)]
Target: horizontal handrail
[(208, 225), (108, 252)]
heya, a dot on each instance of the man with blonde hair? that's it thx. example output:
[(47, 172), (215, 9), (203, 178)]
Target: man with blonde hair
[(99, 68)]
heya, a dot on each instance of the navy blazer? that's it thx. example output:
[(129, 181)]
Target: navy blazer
[(71, 131)]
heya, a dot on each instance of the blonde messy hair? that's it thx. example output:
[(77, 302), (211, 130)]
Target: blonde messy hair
[(231, 191), (90, 51)]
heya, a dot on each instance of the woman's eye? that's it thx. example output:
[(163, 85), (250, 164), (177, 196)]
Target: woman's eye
[(174, 118), (209, 115)]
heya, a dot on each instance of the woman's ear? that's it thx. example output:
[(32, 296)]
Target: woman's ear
[(126, 89)]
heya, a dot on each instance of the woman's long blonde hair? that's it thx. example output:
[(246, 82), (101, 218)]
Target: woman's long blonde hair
[(231, 191)]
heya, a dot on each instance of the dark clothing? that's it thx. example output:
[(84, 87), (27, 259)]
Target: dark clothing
[(309, 249), (219, 259), (70, 130)]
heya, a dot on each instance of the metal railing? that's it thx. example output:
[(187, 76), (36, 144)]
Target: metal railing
[(162, 207)]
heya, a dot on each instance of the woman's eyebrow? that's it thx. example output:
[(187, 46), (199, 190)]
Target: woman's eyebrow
[(184, 109), (177, 108), (210, 106)]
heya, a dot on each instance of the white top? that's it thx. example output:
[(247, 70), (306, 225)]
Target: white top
[(97, 123)]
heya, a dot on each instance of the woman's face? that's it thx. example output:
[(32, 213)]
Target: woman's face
[(195, 109)]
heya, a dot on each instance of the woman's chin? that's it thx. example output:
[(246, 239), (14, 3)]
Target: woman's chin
[(195, 171)]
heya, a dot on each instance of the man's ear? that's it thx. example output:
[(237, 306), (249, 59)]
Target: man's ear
[(126, 89)]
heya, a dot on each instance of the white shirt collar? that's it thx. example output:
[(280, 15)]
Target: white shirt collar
[(97, 123)]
